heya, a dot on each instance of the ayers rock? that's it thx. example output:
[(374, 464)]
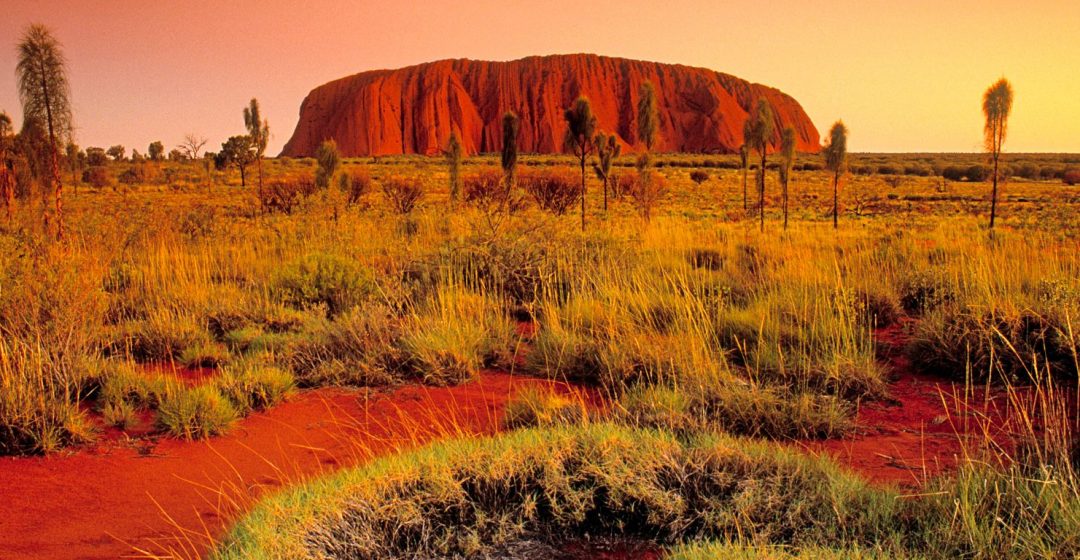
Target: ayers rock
[(413, 110)]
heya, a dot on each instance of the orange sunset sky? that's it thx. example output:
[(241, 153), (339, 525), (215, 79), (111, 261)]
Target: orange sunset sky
[(904, 75)]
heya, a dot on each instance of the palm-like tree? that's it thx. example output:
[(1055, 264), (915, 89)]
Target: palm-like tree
[(454, 155), (259, 131), (758, 132), (997, 103), (45, 95), (835, 151), (580, 127), (607, 150), (509, 150), (787, 164)]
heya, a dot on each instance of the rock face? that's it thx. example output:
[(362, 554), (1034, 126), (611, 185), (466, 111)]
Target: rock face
[(413, 110)]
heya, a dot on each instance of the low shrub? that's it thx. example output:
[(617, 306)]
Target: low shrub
[(554, 191), (699, 176), (403, 193), (324, 279), (195, 413), (466, 498), (359, 186), (925, 290), (359, 347), (284, 195), (254, 386)]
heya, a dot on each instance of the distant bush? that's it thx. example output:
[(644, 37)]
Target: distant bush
[(1071, 176), (137, 174), (621, 184), (887, 170), (1027, 171), (698, 176), (403, 193), (97, 176), (554, 191), (977, 173), (917, 170), (954, 173), (285, 194), (359, 187)]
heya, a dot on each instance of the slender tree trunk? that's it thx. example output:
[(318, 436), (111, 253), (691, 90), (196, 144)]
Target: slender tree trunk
[(582, 190), (761, 192), (259, 164), (7, 186), (59, 210), (745, 172), (835, 204), (605, 193), (785, 186), (994, 192), (243, 181)]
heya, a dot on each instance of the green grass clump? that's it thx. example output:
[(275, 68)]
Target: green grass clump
[(542, 406), (324, 279), (1002, 345), (38, 413), (254, 386), (205, 355), (359, 347), (196, 412), (453, 336), (466, 497)]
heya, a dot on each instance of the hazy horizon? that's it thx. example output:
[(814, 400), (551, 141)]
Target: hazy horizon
[(904, 78)]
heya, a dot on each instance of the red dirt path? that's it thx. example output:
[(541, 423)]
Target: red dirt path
[(924, 428), (101, 502)]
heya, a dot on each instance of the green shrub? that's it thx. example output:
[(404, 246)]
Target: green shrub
[(324, 279), (205, 355), (255, 387), (37, 401), (360, 347), (924, 291), (196, 412), (998, 345)]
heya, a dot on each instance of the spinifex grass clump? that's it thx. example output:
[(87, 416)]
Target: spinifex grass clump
[(471, 497), (37, 409), (195, 413), (448, 339)]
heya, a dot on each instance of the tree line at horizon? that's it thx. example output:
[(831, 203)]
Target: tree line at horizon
[(33, 155)]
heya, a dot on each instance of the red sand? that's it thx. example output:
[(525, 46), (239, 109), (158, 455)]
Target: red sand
[(924, 428), (124, 493), (142, 492)]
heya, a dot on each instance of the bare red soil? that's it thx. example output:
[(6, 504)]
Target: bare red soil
[(153, 493), (143, 492), (925, 427)]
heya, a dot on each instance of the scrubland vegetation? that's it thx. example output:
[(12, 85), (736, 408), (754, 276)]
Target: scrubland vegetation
[(705, 335)]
